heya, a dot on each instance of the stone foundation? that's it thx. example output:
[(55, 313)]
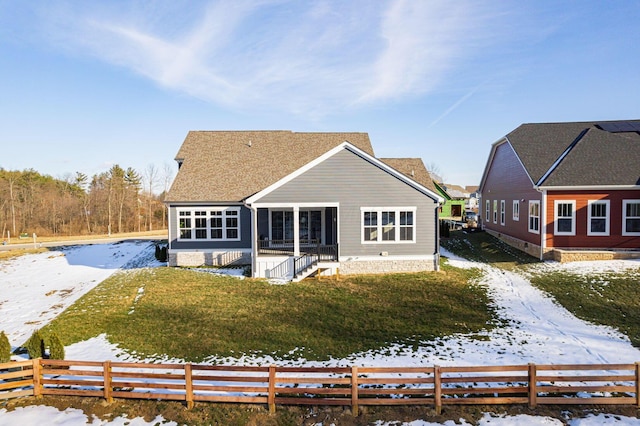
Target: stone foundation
[(563, 256), (218, 258), (385, 266), (524, 246)]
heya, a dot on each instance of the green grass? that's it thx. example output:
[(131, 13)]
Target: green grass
[(193, 315), (482, 247), (611, 299)]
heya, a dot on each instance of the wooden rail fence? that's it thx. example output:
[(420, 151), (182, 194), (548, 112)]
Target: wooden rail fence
[(532, 384)]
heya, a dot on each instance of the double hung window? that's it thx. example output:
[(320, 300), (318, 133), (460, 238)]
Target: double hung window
[(598, 217), (534, 216), (388, 224), (631, 217), (565, 220)]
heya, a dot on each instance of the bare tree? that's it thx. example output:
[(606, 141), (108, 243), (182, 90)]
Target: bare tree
[(151, 176)]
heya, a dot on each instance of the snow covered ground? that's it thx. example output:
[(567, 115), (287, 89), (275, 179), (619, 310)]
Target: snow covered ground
[(35, 288)]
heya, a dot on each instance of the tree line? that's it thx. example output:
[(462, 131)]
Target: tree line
[(115, 201)]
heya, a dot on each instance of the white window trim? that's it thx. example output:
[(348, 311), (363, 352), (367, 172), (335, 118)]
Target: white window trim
[(208, 219), (487, 210), (503, 212), (495, 211), (573, 217), (529, 216), (624, 217), (515, 212), (397, 211), (607, 217)]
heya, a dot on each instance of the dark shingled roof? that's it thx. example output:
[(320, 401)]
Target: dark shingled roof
[(229, 166), (594, 157), (414, 169)]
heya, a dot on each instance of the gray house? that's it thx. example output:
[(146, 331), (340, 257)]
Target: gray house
[(295, 204)]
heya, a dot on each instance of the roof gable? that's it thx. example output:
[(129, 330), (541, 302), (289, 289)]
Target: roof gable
[(413, 168), (579, 154), (229, 166), (364, 155)]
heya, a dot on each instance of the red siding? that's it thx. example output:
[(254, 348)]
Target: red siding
[(507, 180), (581, 239)]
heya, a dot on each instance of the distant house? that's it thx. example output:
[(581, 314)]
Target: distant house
[(295, 204), (455, 199), (474, 197), (566, 190)]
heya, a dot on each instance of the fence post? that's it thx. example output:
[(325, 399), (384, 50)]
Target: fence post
[(188, 385), (106, 370), (37, 375), (271, 398), (533, 386), (354, 390), (638, 384), (437, 388)]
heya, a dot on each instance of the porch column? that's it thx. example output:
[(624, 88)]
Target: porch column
[(296, 231)]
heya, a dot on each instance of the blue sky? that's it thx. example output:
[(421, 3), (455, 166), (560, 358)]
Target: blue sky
[(85, 85)]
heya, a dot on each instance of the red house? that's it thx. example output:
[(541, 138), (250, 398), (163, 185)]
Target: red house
[(567, 191)]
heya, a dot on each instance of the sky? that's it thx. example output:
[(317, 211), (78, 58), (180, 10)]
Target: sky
[(86, 85), (532, 327)]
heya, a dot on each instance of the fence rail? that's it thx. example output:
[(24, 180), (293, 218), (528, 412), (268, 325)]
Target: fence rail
[(532, 384)]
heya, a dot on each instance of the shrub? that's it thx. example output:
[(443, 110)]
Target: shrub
[(35, 345), (56, 348), (5, 348), (161, 252)]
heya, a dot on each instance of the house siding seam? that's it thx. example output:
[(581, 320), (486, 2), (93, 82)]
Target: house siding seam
[(351, 182)]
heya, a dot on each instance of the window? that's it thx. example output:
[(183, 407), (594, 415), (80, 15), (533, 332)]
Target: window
[(388, 224), (495, 211), (184, 224), (534, 217), (209, 224), (516, 210), (487, 210), (630, 217), (502, 212), (565, 223), (598, 217), (370, 226)]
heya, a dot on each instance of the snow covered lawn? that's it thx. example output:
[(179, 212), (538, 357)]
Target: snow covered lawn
[(35, 288)]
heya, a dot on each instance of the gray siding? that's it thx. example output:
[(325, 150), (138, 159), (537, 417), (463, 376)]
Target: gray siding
[(245, 233), (354, 182)]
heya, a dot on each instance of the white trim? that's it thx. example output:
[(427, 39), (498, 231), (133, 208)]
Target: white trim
[(607, 217), (495, 212), (487, 211), (515, 210), (624, 217), (591, 188), (292, 205), (207, 217), (370, 258), (397, 226), (529, 216), (572, 203), (503, 212), (348, 146)]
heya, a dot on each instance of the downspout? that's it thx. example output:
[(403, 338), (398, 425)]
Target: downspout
[(543, 220), (254, 243), (437, 226)]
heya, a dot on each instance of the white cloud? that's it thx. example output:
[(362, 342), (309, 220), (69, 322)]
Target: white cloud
[(289, 56)]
